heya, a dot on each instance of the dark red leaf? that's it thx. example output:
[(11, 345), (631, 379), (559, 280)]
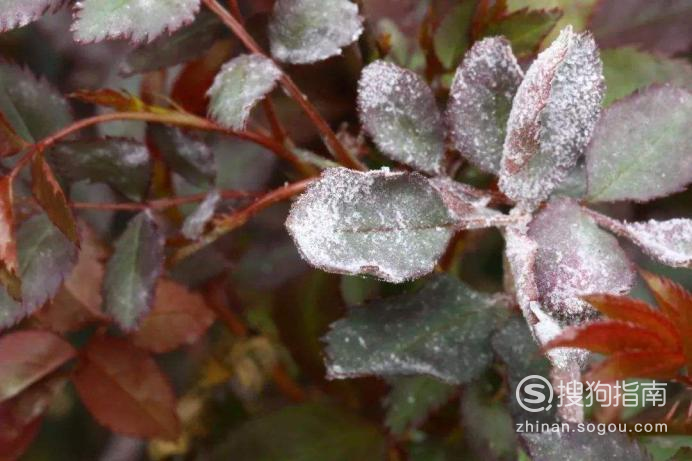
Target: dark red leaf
[(638, 364), (608, 337), (10, 141), (51, 197)]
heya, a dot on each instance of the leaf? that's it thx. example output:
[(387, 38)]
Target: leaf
[(469, 207), (8, 244), (412, 399), (390, 225), (122, 163), (184, 45), (125, 390), (574, 12), (11, 310), (179, 317), (307, 31), (670, 242), (46, 257), (575, 258), (583, 446), (28, 356), (387, 96), (480, 102), (241, 83), (116, 99), (18, 13), (51, 197), (671, 297), (629, 69), (525, 29), (132, 271), (189, 156), (31, 106), (442, 330), (640, 149), (552, 118), (194, 224), (656, 364), (608, 337), (137, 20), (10, 141), (304, 432), (451, 38)]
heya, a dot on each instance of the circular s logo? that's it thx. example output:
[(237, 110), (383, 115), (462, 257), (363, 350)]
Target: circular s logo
[(532, 396)]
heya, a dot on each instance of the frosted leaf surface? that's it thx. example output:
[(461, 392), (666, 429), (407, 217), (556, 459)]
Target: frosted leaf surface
[(398, 109), (18, 13), (480, 102), (575, 258), (194, 224), (138, 20), (241, 83), (394, 226), (443, 330), (307, 31), (552, 118), (186, 154), (583, 446), (642, 147)]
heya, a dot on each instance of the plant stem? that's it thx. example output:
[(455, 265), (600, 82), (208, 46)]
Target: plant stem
[(159, 204), (330, 139)]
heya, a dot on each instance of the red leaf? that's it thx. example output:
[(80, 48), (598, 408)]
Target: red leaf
[(179, 317), (640, 364), (637, 312), (8, 244), (118, 100), (608, 337), (10, 141), (27, 356), (125, 390), (51, 197)]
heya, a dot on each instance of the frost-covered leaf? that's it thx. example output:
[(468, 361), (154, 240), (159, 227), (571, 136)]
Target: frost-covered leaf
[(480, 102), (412, 399), (132, 271), (629, 69), (575, 258), (196, 222), (641, 147), (8, 244), (18, 13), (46, 257), (443, 330), (189, 156), (307, 31), (32, 107), (122, 163), (241, 83), (399, 111), (27, 356), (452, 36), (525, 29), (391, 225), (552, 117), (50, 196), (573, 445), (186, 44), (137, 20)]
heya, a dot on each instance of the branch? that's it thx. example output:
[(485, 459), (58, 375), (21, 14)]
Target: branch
[(159, 204)]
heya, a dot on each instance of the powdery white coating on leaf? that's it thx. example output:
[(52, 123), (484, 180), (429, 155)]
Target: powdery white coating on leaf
[(307, 31), (573, 445), (194, 224), (18, 13), (642, 147), (575, 258), (552, 118), (398, 109), (138, 20), (241, 83), (394, 226), (480, 102)]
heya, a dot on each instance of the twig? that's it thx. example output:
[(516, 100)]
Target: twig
[(159, 204)]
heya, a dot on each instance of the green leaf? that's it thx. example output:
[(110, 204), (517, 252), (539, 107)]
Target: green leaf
[(387, 96), (583, 446), (394, 226), (480, 101), (190, 42), (18, 13), (46, 257), (442, 330), (412, 399), (241, 83), (32, 107), (553, 115), (641, 148), (122, 163), (629, 69), (132, 271), (96, 20), (525, 29), (575, 13), (307, 31), (186, 154), (308, 432), (452, 36)]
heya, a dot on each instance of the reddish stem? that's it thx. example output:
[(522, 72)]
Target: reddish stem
[(158, 204)]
